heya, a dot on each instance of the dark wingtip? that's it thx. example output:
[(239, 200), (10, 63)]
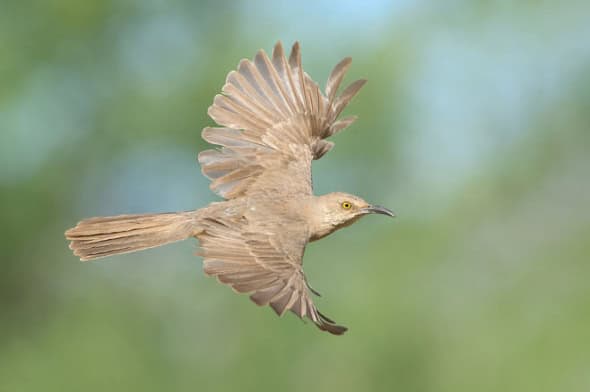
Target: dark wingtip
[(328, 325)]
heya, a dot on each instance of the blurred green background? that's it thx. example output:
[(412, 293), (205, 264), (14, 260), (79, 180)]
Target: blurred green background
[(474, 128)]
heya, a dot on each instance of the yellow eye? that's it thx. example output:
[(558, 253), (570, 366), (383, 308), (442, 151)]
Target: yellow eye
[(346, 205)]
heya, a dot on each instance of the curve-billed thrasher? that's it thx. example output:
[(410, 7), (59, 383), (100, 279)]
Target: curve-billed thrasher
[(275, 121)]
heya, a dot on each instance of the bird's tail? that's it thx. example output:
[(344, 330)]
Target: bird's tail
[(100, 237)]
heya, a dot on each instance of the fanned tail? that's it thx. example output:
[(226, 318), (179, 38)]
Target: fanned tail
[(106, 236)]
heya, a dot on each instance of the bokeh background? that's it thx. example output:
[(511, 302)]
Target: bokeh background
[(474, 128)]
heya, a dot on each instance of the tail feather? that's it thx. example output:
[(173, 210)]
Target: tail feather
[(105, 236)]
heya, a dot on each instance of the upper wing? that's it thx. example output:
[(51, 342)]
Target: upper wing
[(275, 120), (257, 258)]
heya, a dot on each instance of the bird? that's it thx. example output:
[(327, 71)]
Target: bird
[(273, 121)]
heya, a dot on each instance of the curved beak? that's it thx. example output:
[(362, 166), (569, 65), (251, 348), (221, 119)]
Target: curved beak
[(379, 210)]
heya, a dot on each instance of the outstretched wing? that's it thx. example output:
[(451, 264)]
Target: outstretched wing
[(274, 121), (259, 258)]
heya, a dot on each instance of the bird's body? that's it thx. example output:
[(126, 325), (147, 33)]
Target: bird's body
[(275, 121)]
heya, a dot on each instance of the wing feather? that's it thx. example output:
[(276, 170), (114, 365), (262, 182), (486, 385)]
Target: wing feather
[(271, 115), (336, 77), (252, 258)]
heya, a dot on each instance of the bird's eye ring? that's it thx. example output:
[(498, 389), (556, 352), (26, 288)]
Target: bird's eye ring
[(346, 205)]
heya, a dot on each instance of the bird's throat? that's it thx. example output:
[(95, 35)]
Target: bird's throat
[(325, 229)]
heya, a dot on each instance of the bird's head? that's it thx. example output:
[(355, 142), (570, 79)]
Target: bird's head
[(337, 210)]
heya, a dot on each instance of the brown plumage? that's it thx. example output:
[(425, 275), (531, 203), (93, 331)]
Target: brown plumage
[(274, 121)]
